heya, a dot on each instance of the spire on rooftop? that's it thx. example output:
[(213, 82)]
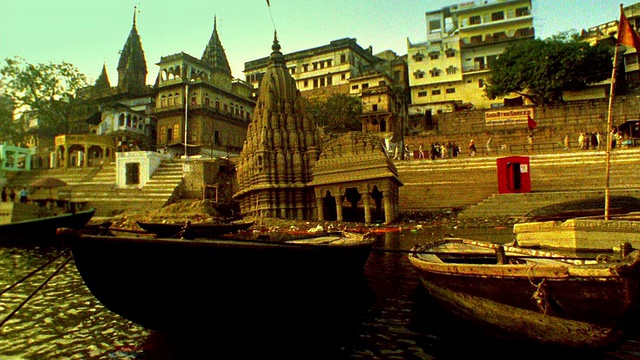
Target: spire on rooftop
[(214, 54)]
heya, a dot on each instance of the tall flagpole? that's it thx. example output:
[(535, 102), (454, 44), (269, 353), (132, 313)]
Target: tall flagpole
[(609, 132)]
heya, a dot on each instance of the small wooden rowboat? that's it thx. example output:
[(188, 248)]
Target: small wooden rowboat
[(532, 295), (223, 285), (191, 231), (42, 231)]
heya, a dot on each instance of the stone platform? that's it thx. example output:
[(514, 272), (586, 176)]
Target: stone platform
[(581, 234)]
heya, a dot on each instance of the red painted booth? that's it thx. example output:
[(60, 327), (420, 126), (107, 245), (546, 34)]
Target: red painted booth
[(514, 174)]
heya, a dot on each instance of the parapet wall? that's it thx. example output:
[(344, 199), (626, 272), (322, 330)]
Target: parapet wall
[(553, 124)]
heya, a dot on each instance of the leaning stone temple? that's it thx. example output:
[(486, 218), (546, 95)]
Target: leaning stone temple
[(355, 168), (281, 149)]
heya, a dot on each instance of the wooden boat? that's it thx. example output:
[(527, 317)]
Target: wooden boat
[(531, 295), (191, 231), (42, 230), (224, 285)]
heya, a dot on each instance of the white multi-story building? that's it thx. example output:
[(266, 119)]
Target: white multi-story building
[(449, 70)]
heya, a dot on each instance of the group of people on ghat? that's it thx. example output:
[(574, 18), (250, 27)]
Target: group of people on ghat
[(435, 151), (586, 140), (23, 195)]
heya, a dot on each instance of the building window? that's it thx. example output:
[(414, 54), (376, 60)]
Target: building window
[(322, 82), (329, 80), (435, 26), (451, 70), (343, 58), (418, 57), (434, 56), (305, 67), (481, 83), (435, 92), (419, 74), (450, 53), (374, 107), (475, 20), (450, 90), (435, 72), (163, 134), (176, 130), (523, 11), (292, 70), (396, 75), (343, 76), (497, 16), (329, 62), (365, 86), (354, 87), (121, 120), (306, 83), (422, 93), (163, 101), (216, 137), (315, 83), (476, 39), (315, 66)]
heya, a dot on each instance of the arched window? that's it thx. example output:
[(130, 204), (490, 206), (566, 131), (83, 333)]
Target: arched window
[(128, 120), (163, 101), (121, 120), (171, 101)]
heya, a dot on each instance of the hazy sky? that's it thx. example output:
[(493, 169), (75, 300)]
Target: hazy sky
[(88, 33)]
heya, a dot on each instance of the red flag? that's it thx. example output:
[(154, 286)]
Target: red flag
[(626, 35), (532, 124)]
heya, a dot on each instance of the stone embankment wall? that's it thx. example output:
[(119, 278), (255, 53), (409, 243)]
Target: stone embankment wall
[(554, 123), (467, 181)]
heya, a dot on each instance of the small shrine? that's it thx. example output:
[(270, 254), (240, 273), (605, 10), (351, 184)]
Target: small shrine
[(282, 146), (354, 180)]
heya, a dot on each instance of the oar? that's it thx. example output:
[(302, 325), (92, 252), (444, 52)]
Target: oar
[(33, 272), (4, 321)]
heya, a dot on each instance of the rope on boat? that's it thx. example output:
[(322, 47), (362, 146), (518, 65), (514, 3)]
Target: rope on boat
[(24, 302), (540, 295), (33, 272)]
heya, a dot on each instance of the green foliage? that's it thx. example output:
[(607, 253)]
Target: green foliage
[(336, 114), (9, 129), (541, 70), (45, 89)]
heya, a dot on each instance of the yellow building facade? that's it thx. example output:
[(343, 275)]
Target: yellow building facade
[(451, 68)]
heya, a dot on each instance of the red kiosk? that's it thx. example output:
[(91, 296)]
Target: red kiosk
[(514, 174)]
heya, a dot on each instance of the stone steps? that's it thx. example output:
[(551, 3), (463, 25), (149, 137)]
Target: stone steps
[(471, 183)]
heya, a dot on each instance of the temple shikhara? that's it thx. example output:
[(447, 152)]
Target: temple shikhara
[(284, 173), (282, 147)]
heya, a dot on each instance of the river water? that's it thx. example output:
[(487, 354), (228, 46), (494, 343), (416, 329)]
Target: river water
[(400, 321)]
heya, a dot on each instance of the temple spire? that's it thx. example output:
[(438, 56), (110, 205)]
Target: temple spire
[(135, 17), (132, 67), (214, 55)]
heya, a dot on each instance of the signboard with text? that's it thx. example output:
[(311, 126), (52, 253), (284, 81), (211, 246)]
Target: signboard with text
[(513, 117)]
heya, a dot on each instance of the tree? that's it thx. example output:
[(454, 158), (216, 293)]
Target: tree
[(337, 113), (9, 129), (541, 70), (45, 89)]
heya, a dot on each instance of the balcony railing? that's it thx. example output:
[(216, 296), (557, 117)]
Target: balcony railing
[(497, 38)]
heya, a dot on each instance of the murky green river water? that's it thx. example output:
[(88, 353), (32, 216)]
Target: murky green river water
[(64, 321)]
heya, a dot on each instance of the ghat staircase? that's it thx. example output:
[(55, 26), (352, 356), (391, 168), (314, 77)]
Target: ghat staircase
[(96, 187), (470, 183)]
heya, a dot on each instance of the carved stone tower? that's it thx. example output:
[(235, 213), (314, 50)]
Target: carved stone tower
[(132, 67), (214, 54), (282, 147)]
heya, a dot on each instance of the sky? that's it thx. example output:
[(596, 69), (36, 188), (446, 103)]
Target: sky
[(90, 33)]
